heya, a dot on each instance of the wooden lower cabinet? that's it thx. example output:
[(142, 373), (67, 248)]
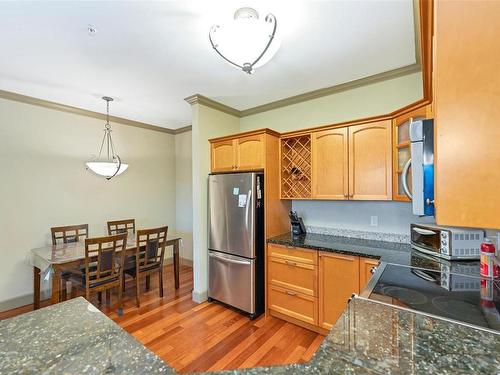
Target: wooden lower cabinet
[(366, 268), (296, 305), (311, 288), (338, 280), (295, 276)]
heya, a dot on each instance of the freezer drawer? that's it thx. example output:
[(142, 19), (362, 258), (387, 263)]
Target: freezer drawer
[(232, 280)]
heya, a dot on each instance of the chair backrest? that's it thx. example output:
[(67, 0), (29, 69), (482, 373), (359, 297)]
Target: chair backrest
[(150, 248), (121, 226), (69, 233), (101, 263)]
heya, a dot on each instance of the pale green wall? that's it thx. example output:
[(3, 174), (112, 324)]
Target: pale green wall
[(44, 184), (375, 99), (207, 123)]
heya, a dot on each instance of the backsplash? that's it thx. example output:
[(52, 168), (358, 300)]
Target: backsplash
[(366, 235), (392, 218)]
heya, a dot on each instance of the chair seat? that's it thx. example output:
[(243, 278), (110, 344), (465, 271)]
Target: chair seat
[(80, 281), (132, 271)]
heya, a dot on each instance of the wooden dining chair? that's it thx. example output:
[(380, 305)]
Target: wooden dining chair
[(121, 226), (149, 254), (69, 233), (64, 235), (104, 261)]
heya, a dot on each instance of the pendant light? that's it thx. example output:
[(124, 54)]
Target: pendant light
[(247, 42), (112, 165)]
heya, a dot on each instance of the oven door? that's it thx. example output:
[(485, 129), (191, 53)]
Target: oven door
[(426, 240)]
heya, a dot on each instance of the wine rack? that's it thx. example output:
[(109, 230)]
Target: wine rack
[(296, 167)]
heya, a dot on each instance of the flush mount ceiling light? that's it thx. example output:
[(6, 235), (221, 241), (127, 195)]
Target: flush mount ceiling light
[(112, 165), (247, 42)]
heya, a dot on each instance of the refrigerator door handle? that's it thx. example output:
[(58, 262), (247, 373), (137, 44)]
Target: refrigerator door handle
[(229, 260)]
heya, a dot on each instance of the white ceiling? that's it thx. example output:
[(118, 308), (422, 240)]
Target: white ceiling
[(151, 55)]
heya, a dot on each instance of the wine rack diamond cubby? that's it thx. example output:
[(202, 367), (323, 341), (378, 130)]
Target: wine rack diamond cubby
[(296, 167)]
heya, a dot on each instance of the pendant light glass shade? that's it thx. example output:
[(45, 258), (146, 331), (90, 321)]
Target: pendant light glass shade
[(112, 165), (246, 42)]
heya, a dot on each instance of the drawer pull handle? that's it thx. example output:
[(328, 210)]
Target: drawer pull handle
[(290, 263), (290, 293)]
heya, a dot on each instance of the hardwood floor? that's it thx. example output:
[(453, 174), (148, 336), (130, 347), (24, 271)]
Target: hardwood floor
[(195, 337)]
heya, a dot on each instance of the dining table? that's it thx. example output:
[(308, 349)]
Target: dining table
[(53, 259)]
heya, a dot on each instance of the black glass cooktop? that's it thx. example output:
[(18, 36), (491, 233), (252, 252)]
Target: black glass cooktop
[(460, 297)]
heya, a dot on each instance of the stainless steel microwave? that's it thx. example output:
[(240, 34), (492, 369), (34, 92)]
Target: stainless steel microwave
[(447, 242)]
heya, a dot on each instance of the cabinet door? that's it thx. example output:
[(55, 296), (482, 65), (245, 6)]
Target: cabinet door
[(250, 152), (223, 156), (370, 161), (330, 164), (338, 280), (366, 267), (401, 149), (466, 84)]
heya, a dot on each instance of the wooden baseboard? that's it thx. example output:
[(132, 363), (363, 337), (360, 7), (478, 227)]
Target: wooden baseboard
[(310, 327)]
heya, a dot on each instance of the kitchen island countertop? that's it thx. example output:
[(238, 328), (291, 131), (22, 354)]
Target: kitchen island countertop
[(72, 337)]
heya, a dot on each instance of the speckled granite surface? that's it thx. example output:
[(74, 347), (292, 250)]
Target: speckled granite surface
[(387, 252), (390, 252), (373, 338), (72, 337), (361, 234)]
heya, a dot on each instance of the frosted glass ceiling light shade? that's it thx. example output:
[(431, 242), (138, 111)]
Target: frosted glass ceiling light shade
[(112, 165), (247, 42)]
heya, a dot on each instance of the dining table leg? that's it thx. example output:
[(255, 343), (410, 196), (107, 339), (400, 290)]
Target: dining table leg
[(176, 264), (56, 282), (36, 288)]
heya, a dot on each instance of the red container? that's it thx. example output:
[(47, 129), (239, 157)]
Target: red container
[(488, 265)]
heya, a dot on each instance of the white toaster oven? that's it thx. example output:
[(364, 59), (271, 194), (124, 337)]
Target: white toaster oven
[(447, 242)]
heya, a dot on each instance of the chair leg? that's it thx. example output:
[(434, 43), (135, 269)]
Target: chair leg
[(108, 296), (99, 297), (120, 306), (137, 299), (160, 277), (87, 295), (148, 282), (64, 293)]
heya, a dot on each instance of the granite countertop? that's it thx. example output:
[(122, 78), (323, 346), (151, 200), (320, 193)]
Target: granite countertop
[(389, 252), (374, 338), (72, 337)]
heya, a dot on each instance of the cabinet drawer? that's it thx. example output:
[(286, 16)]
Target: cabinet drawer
[(293, 304), (293, 254), (300, 277)]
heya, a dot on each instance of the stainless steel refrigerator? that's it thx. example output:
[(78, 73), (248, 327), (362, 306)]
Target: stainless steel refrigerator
[(236, 240)]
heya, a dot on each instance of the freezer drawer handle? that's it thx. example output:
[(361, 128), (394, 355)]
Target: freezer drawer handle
[(227, 260)]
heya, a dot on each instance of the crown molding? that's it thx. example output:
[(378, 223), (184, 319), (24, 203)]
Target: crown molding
[(182, 130), (399, 72), (80, 111), (394, 73), (200, 99)]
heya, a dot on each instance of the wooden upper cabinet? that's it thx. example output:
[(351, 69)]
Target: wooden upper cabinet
[(467, 129), (240, 154), (338, 280), (370, 161), (330, 164), (401, 149), (223, 156), (250, 152)]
